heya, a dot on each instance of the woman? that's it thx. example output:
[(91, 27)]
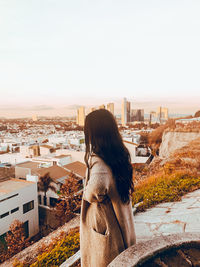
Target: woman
[(107, 226)]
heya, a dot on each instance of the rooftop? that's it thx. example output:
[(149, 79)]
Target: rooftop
[(76, 167), (55, 172), (29, 164), (46, 146), (12, 185)]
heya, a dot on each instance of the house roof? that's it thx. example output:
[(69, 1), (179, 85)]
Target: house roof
[(46, 146), (76, 167), (12, 184), (55, 172), (29, 164)]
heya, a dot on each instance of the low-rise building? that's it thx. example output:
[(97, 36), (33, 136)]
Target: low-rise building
[(54, 159), (26, 168), (138, 154), (45, 150), (58, 175), (18, 201)]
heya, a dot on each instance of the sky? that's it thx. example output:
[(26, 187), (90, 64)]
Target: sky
[(56, 55)]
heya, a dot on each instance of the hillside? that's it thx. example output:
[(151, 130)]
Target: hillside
[(185, 157), (178, 146), (169, 179), (173, 140)]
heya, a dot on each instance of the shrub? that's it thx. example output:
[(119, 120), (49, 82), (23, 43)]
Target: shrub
[(164, 188), (62, 250), (14, 241)]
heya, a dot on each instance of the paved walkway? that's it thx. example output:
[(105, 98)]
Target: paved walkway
[(164, 219), (169, 218)]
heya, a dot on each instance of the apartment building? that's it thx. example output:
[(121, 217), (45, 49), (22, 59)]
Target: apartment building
[(18, 201)]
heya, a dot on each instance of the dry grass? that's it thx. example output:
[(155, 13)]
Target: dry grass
[(177, 176), (165, 188)]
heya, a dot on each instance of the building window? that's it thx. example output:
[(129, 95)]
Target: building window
[(3, 241), (45, 200), (28, 206), (9, 197), (14, 210), (4, 215), (39, 199), (26, 229), (53, 201)]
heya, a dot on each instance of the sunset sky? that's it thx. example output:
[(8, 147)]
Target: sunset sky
[(58, 54)]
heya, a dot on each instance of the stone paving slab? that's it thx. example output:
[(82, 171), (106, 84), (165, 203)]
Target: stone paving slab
[(170, 218), (159, 222)]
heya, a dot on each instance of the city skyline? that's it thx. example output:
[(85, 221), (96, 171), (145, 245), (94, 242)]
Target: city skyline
[(185, 106)]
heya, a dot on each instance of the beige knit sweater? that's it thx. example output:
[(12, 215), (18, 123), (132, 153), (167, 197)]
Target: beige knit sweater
[(107, 226)]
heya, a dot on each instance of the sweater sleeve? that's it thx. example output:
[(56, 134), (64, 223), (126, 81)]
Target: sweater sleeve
[(98, 185)]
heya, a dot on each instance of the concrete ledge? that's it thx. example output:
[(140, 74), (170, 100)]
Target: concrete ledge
[(143, 251), (72, 260)]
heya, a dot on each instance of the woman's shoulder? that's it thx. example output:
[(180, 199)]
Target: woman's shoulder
[(97, 164)]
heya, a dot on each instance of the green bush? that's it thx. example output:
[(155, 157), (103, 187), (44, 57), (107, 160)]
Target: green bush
[(165, 188)]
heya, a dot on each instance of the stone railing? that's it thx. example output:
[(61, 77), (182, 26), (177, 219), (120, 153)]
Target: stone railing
[(72, 260), (152, 251), (159, 248)]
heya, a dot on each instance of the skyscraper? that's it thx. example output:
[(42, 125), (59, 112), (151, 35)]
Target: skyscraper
[(102, 107), (92, 109), (162, 114), (81, 116), (126, 110), (34, 117), (110, 107), (137, 115)]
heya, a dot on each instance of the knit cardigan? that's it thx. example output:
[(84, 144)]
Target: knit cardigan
[(107, 226)]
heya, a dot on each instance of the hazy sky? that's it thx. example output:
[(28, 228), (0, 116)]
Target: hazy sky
[(60, 53)]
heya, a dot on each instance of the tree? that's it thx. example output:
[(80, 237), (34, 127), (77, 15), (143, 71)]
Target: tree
[(15, 239), (69, 199), (2, 251), (197, 114), (144, 138), (45, 184)]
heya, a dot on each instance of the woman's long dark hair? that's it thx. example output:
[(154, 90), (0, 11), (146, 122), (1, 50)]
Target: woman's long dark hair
[(102, 137)]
